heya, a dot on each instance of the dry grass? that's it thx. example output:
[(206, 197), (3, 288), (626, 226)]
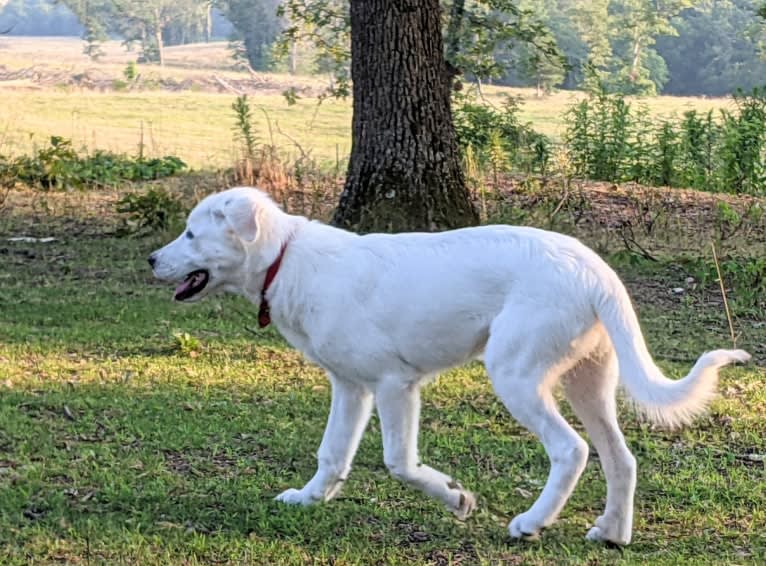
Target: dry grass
[(197, 126)]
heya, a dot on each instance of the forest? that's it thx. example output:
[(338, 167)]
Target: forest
[(682, 47)]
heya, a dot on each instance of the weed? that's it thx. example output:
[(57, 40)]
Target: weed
[(187, 344), (611, 141), (59, 166), (155, 209), (498, 138), (744, 275), (243, 128), (743, 144), (130, 72)]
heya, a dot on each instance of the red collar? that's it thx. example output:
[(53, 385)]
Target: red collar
[(264, 313)]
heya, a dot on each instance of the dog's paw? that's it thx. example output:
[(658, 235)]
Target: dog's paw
[(603, 533), (525, 526), (295, 497), (466, 504)]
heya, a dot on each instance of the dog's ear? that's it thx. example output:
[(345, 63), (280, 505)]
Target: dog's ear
[(239, 214)]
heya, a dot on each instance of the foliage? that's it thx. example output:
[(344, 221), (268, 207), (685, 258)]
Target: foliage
[(635, 25), (744, 276), (130, 72), (479, 38), (497, 137), (611, 141), (484, 39), (326, 26), (743, 144), (243, 126), (59, 166), (150, 23), (37, 18), (155, 209), (256, 29), (718, 47), (640, 47), (187, 344)]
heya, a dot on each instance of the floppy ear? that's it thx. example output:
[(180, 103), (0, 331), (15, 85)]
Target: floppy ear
[(239, 214)]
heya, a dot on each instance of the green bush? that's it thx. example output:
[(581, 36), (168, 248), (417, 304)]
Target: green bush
[(497, 135), (156, 209), (743, 144), (59, 166)]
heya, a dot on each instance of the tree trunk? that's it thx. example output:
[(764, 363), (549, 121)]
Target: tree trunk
[(293, 57), (208, 22), (158, 36), (404, 172), (636, 57)]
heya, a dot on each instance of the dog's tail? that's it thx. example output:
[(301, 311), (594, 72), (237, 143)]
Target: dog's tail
[(671, 403)]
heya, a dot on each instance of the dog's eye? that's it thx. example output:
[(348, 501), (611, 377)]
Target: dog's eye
[(189, 234)]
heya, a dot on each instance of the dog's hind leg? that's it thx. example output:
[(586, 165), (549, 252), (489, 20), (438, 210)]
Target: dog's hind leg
[(590, 387), (399, 410), (524, 358), (349, 413)]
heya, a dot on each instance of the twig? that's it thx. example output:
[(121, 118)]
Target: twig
[(561, 202), (723, 293), (631, 244), (268, 125), (304, 153)]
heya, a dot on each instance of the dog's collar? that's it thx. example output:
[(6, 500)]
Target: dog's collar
[(264, 312)]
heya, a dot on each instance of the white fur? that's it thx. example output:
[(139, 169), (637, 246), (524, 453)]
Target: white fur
[(383, 313)]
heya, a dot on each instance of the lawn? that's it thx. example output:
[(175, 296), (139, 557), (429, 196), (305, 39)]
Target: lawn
[(134, 430)]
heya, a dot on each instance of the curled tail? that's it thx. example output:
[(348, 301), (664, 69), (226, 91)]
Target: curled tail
[(665, 401)]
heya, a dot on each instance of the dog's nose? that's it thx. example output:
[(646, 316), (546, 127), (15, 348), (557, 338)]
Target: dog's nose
[(152, 260)]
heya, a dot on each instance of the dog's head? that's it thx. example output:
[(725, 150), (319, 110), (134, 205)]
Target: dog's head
[(215, 252)]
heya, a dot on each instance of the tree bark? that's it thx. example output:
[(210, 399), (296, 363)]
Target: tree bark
[(208, 22), (404, 173), (158, 36), (293, 62)]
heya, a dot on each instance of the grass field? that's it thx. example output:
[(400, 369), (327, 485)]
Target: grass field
[(198, 126), (134, 430)]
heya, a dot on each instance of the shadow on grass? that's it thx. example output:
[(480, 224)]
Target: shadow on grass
[(187, 469)]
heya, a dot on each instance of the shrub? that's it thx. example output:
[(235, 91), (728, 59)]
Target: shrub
[(490, 132), (59, 166), (156, 209)]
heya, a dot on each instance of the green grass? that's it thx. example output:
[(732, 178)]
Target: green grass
[(121, 443), (197, 126)]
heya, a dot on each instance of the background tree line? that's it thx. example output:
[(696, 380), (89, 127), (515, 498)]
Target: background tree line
[(628, 46)]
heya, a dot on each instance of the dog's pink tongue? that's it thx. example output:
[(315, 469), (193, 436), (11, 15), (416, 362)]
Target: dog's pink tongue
[(183, 286)]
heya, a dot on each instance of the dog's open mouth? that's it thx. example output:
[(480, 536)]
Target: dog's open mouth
[(193, 284)]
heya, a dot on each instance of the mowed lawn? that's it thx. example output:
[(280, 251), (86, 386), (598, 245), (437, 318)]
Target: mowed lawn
[(137, 431)]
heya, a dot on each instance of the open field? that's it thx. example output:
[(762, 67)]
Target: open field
[(196, 124), (134, 430)]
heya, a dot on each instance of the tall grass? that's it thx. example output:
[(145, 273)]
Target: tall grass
[(611, 140)]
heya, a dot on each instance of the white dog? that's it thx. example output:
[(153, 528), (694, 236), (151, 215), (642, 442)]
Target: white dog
[(383, 313)]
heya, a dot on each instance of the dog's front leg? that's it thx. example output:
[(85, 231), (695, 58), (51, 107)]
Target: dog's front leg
[(399, 410), (349, 413)]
